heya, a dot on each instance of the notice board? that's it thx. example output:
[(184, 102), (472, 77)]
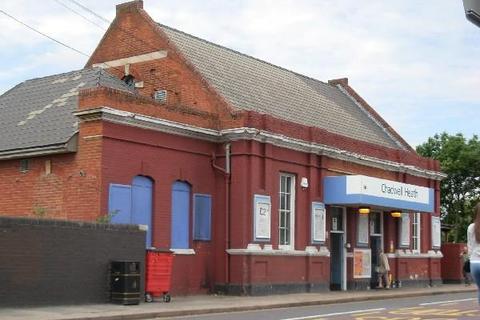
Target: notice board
[(362, 263)]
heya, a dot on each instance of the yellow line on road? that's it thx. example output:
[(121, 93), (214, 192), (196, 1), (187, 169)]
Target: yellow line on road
[(366, 313), (319, 316)]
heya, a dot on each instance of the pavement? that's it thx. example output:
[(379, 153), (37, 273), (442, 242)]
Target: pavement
[(197, 305)]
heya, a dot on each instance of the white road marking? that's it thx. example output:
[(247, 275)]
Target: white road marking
[(448, 301), (335, 314)]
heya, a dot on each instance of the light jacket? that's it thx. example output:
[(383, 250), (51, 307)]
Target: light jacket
[(384, 266), (472, 244)]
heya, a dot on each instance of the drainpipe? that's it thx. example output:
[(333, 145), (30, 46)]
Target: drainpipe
[(227, 173)]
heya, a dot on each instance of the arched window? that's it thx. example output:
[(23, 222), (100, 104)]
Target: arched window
[(180, 215), (142, 204), (132, 204)]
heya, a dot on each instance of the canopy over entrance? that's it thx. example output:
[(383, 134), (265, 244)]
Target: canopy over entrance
[(364, 190)]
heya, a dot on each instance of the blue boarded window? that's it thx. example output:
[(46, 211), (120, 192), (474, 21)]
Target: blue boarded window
[(132, 204), (180, 215), (202, 216), (120, 203)]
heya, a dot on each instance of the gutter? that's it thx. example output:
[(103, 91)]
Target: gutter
[(68, 147)]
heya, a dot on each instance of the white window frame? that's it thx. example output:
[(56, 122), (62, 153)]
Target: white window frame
[(291, 245), (416, 233)]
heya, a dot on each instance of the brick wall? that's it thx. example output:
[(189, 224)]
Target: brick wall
[(165, 159), (77, 187), (255, 170), (70, 190), (133, 32), (54, 262), (452, 263), (100, 96)]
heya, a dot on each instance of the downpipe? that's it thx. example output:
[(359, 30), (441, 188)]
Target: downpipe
[(227, 174)]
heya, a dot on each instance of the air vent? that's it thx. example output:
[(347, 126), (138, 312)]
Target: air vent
[(160, 96), (24, 165)]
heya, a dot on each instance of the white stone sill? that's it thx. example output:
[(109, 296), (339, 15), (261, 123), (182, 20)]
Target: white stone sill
[(184, 252), (408, 254), (256, 250)]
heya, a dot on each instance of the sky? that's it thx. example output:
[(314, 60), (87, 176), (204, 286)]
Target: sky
[(415, 62)]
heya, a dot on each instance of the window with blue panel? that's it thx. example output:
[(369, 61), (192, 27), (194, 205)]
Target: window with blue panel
[(202, 217), (132, 204), (180, 215), (120, 203)]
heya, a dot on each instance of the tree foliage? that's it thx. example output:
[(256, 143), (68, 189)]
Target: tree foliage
[(460, 191)]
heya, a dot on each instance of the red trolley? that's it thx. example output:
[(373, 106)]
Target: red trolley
[(158, 274)]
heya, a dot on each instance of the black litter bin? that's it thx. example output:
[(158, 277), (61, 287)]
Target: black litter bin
[(125, 282)]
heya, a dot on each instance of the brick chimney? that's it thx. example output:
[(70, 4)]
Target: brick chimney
[(129, 6), (341, 81)]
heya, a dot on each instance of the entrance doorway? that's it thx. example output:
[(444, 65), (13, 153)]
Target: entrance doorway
[(376, 245), (337, 248)]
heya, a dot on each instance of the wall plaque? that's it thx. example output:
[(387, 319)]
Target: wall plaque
[(262, 217)]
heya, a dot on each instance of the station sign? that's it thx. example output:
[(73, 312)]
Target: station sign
[(365, 190)]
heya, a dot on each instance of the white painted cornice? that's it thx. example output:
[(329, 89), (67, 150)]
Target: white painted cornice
[(246, 133)]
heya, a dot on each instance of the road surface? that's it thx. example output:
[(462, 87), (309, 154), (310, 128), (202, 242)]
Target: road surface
[(434, 307)]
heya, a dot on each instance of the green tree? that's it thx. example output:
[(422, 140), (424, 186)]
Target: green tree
[(460, 160)]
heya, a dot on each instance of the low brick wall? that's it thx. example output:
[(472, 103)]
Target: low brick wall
[(452, 264), (54, 262)]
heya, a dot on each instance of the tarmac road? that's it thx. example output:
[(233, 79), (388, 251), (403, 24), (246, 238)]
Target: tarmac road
[(436, 307)]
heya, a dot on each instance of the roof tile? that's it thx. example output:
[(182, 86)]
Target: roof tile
[(248, 83), (39, 112)]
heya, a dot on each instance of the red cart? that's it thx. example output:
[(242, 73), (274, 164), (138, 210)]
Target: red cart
[(158, 274)]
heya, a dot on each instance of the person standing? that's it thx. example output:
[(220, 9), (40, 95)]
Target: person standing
[(473, 244), (465, 266), (383, 270)]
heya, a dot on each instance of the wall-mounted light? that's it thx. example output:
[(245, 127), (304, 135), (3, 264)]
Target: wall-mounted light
[(396, 214), (364, 210)]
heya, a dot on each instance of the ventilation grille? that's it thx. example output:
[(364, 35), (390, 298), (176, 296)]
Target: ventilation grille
[(160, 96)]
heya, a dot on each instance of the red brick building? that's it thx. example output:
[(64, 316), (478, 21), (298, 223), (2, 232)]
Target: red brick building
[(251, 173)]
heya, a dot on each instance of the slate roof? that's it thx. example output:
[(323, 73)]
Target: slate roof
[(248, 83), (38, 112)]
